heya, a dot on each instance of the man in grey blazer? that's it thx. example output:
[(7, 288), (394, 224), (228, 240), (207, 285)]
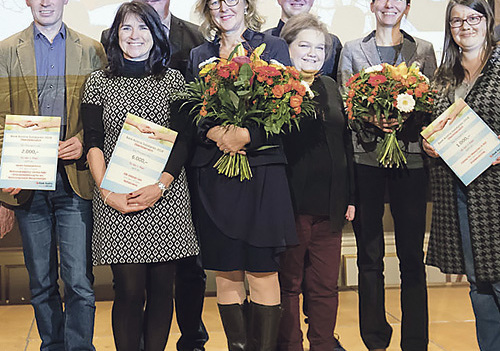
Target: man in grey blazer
[(405, 188), (190, 276)]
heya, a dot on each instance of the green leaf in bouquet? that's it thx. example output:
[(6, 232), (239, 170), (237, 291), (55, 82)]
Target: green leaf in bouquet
[(266, 147), (245, 74), (235, 100)]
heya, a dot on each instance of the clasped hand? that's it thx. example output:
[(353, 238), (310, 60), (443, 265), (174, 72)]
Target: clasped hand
[(135, 201), (230, 139), (386, 125)]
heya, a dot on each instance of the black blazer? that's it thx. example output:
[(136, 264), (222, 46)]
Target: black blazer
[(183, 37), (331, 65), (299, 145)]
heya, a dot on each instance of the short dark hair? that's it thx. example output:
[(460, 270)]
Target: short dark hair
[(159, 56)]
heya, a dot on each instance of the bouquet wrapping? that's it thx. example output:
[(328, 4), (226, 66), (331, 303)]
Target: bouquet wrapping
[(243, 91), (392, 93)]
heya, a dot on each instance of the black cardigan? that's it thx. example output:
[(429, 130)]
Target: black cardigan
[(298, 147)]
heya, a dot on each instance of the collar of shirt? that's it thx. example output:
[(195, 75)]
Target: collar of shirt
[(278, 28), (248, 35), (38, 35), (167, 22)]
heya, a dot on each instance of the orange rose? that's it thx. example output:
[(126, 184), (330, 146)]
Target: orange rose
[(293, 72), (300, 89), (295, 101), (278, 91)]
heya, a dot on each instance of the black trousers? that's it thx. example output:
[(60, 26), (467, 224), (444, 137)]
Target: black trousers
[(190, 284), (190, 281), (406, 190)]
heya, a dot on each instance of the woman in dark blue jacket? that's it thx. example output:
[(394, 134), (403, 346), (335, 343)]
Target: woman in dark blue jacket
[(243, 225)]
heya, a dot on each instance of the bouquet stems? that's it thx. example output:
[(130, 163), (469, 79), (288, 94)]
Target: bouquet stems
[(233, 166), (389, 152)]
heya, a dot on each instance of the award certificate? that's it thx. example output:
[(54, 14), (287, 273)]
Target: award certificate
[(463, 141), (29, 152), (140, 155)]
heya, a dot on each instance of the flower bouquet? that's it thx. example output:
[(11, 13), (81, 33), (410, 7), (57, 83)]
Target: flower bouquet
[(243, 91), (392, 93)]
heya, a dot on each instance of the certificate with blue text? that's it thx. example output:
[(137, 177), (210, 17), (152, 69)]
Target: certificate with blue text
[(140, 155), (463, 141), (29, 152)]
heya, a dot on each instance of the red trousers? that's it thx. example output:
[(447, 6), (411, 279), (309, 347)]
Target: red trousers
[(310, 269)]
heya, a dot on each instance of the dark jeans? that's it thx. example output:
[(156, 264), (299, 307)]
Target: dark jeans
[(190, 281), (314, 266), (407, 198), (485, 296), (59, 218)]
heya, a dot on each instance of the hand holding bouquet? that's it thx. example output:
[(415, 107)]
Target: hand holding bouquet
[(244, 91), (385, 95)]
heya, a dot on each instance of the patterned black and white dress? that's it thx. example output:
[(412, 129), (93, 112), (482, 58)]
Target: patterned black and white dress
[(165, 231)]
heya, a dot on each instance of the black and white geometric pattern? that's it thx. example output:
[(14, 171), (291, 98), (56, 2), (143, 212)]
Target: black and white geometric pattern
[(483, 194), (164, 232)]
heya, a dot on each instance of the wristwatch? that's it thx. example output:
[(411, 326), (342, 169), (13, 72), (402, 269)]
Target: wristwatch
[(163, 188)]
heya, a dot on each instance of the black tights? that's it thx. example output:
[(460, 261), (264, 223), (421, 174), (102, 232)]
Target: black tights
[(135, 285)]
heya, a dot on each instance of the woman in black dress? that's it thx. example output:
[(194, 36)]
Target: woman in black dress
[(243, 225)]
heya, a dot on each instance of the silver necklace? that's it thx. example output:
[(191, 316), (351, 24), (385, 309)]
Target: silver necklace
[(398, 50)]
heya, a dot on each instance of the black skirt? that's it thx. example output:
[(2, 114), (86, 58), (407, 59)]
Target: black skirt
[(243, 225)]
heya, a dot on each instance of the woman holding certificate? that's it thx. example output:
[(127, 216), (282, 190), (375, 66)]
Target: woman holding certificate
[(465, 234), (320, 169), (138, 233), (243, 224)]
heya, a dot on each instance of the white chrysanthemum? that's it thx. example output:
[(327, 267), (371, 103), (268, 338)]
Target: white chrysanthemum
[(308, 89), (277, 63), (206, 62), (405, 102), (376, 68)]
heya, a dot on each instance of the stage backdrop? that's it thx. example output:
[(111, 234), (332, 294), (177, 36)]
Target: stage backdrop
[(349, 19)]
